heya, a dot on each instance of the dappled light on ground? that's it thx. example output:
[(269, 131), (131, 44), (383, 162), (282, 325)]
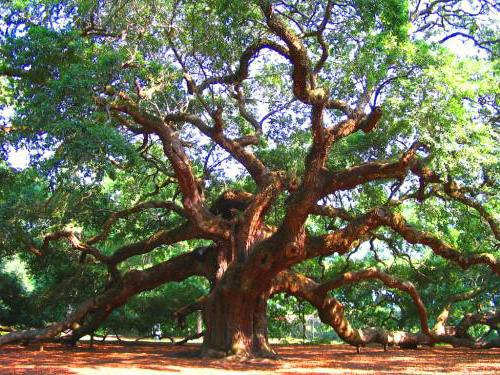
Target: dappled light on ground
[(150, 358)]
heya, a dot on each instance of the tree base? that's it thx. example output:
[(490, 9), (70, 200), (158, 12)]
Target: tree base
[(263, 353)]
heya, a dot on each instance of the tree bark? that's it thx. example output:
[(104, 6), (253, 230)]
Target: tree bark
[(261, 345), (228, 314), (236, 324)]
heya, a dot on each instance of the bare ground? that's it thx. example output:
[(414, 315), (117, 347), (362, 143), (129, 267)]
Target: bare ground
[(153, 359)]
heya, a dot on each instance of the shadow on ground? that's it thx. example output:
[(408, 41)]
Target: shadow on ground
[(151, 358)]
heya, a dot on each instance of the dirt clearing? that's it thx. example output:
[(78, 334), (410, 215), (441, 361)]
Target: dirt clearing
[(153, 359)]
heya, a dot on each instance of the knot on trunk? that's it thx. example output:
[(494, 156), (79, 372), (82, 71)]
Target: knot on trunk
[(292, 250), (266, 261)]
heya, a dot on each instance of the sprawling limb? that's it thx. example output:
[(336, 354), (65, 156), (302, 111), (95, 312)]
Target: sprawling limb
[(319, 183), (331, 311), (489, 318), (349, 178), (439, 247), (199, 262), (159, 238), (373, 273), (182, 232), (52, 330), (359, 228)]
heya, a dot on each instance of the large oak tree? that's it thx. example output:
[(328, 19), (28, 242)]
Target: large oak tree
[(272, 133)]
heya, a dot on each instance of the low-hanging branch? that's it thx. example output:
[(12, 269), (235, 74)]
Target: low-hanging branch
[(442, 319), (52, 330), (199, 262), (388, 280), (489, 318), (331, 311)]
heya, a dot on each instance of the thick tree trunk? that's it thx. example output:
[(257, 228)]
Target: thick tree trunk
[(228, 314), (261, 345), (235, 315), (235, 311), (236, 325)]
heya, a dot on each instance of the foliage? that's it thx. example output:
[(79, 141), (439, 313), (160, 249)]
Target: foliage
[(65, 66)]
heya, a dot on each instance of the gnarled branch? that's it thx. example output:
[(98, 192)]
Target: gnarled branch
[(198, 262)]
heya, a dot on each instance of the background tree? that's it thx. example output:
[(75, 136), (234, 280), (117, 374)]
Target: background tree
[(304, 147)]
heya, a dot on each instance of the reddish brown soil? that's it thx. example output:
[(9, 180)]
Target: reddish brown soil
[(151, 359)]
